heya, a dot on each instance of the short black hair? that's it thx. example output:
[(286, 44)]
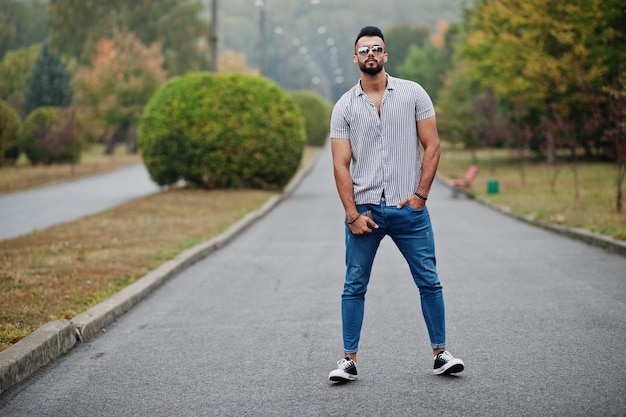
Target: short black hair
[(369, 31)]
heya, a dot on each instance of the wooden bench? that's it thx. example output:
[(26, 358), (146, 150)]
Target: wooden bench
[(465, 182)]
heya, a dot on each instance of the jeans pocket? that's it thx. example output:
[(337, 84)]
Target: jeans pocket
[(419, 210)]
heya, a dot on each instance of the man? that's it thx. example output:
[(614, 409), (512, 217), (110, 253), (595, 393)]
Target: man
[(376, 129)]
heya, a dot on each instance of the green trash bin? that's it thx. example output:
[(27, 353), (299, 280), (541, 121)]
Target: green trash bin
[(493, 187)]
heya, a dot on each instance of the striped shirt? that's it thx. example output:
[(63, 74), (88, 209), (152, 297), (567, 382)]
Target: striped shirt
[(385, 149)]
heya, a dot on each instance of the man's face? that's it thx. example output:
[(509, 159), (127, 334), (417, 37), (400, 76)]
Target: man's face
[(370, 54)]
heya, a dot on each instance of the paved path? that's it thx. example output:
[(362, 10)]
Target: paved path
[(24, 211), (254, 328)]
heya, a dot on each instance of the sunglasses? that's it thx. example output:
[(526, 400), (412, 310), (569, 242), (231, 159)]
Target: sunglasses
[(364, 50)]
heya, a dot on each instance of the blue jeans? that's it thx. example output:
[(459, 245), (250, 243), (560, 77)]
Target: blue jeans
[(411, 231)]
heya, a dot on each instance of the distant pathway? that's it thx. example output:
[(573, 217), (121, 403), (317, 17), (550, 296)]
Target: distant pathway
[(24, 211)]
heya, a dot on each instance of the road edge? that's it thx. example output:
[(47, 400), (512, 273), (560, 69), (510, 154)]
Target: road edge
[(56, 338), (601, 241)]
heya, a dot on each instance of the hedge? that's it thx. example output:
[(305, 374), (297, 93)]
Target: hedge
[(222, 131)]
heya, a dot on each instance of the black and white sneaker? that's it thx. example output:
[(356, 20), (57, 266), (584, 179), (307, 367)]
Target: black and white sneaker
[(346, 371), (446, 364)]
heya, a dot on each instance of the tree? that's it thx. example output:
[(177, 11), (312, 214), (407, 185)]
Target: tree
[(182, 34), (22, 24), (48, 84), (562, 133), (400, 38), (521, 131), (9, 134), (540, 53), (14, 68), (615, 136), (561, 62), (429, 63), (78, 25), (231, 61), (111, 93), (425, 66), (488, 123), (455, 109), (456, 103)]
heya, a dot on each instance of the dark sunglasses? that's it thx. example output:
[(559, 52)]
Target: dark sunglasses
[(364, 50)]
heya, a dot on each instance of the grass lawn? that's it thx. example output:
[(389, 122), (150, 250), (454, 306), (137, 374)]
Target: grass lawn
[(548, 193)]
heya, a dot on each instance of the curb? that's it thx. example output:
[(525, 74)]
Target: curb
[(56, 338), (595, 239), (40, 347)]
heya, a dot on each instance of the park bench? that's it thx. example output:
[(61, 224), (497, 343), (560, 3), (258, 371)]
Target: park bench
[(463, 183)]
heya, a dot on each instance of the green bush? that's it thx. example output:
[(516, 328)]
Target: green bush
[(9, 134), (316, 113), (222, 131), (48, 136)]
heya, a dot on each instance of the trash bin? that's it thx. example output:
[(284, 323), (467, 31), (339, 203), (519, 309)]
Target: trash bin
[(493, 187)]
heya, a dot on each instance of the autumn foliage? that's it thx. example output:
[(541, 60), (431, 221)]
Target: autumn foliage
[(112, 92), (554, 62)]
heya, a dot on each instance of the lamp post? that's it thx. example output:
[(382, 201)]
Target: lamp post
[(262, 41), (287, 50), (213, 37)]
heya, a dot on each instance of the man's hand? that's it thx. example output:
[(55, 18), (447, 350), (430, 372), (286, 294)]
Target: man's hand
[(412, 201), (362, 225)]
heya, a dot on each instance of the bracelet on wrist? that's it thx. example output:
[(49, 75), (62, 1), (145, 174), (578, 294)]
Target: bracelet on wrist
[(421, 197), (355, 219)]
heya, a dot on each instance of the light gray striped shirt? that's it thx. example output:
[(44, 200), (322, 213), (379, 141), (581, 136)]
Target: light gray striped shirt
[(385, 149)]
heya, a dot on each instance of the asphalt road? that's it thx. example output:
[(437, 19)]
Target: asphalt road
[(25, 211), (254, 328)]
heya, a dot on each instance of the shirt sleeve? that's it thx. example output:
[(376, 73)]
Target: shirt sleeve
[(339, 123), (423, 104)]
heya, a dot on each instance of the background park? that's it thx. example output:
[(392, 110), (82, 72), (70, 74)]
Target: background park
[(225, 102)]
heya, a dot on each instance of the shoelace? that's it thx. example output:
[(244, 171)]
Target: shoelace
[(445, 356), (343, 363)]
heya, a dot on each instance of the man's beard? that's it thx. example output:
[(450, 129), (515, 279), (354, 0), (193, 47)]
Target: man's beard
[(371, 70)]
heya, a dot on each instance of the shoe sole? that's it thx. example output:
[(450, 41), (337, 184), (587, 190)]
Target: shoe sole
[(452, 369), (342, 379)]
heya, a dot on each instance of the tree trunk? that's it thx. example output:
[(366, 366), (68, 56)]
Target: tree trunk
[(550, 149), (574, 166), (621, 172), (522, 172)]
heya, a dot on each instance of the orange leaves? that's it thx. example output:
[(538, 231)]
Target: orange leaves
[(105, 51), (112, 92)]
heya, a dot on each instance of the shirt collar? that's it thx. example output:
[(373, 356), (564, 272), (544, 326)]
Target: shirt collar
[(391, 84)]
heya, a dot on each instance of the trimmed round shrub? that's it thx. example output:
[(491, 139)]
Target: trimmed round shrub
[(222, 131), (9, 134), (48, 136), (316, 113)]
